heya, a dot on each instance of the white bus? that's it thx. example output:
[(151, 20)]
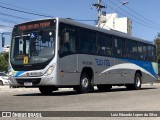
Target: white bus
[(57, 53)]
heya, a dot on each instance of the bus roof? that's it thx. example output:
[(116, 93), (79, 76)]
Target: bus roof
[(112, 32)]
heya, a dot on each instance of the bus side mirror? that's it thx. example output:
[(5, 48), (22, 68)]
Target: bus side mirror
[(3, 41)]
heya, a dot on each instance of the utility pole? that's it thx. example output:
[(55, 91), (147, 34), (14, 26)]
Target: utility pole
[(98, 7), (3, 38)]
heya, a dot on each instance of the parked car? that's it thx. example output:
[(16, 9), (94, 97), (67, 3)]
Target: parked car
[(4, 79)]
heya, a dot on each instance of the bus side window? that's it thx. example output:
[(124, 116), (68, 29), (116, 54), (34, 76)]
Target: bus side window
[(101, 44), (145, 51), (92, 42), (67, 45), (131, 47), (140, 51), (117, 51), (119, 45), (151, 53), (67, 41), (104, 45)]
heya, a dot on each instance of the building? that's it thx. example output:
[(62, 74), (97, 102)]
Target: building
[(112, 22)]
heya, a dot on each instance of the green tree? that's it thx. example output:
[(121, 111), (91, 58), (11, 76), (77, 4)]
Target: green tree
[(4, 62)]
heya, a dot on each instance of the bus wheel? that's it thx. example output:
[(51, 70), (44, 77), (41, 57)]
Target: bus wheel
[(1, 83), (84, 84), (46, 90), (104, 88), (137, 83)]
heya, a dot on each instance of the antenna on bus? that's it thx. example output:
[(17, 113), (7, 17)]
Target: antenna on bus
[(98, 7)]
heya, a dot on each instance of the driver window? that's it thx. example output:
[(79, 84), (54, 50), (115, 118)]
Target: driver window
[(67, 41)]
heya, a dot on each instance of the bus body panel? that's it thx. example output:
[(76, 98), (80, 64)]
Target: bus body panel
[(68, 70)]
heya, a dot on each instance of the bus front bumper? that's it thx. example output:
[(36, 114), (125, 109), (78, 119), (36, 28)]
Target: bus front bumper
[(32, 81)]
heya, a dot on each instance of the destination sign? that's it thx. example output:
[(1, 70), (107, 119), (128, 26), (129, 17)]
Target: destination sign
[(34, 25)]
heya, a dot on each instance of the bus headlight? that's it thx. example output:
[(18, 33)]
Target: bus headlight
[(49, 70), (10, 73)]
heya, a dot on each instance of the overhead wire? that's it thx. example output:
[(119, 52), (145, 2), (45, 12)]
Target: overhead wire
[(4, 26), (22, 11), (23, 8), (32, 13), (136, 19), (17, 17), (13, 16), (138, 14), (8, 21)]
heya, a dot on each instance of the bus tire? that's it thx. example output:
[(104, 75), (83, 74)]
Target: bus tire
[(85, 84), (45, 90), (137, 83), (1, 83), (104, 88)]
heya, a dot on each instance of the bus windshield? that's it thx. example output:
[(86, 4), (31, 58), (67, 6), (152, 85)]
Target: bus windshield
[(33, 47)]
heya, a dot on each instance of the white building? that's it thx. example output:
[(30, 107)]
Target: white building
[(111, 21), (6, 48)]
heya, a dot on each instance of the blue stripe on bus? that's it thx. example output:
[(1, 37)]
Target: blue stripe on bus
[(151, 67), (18, 73)]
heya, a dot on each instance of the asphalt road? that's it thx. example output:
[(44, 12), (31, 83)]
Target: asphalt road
[(119, 99)]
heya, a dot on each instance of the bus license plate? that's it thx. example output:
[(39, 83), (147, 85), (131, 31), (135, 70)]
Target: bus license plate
[(27, 83)]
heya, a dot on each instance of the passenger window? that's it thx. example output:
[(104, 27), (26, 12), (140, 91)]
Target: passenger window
[(83, 41), (131, 47), (119, 47), (151, 53), (145, 51), (104, 45), (87, 42), (92, 42), (140, 51)]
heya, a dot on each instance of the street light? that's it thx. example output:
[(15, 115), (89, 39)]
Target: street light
[(124, 3)]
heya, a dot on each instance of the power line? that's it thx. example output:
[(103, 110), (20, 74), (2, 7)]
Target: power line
[(17, 17), (9, 21), (151, 27), (4, 26), (35, 13), (143, 23), (23, 8), (148, 24), (31, 13), (136, 13)]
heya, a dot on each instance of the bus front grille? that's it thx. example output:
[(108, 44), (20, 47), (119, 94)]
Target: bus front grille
[(34, 81)]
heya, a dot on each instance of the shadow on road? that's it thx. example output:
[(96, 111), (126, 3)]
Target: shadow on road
[(71, 93), (58, 93), (124, 89)]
